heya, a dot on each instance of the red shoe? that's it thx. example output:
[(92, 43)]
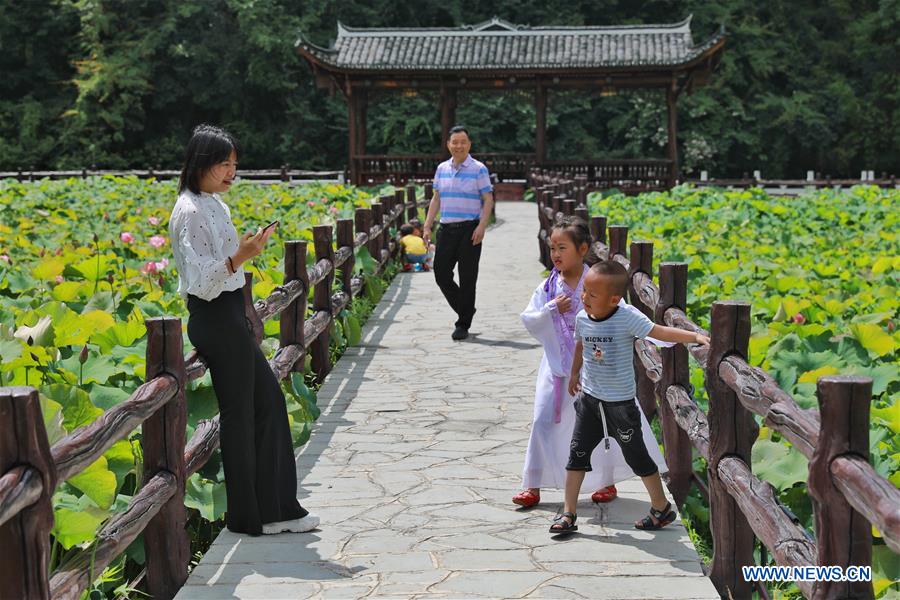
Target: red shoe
[(607, 494), (526, 498), (407, 267)]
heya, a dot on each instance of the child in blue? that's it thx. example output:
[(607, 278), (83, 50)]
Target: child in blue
[(603, 373)]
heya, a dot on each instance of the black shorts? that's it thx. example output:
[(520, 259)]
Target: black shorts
[(623, 422)]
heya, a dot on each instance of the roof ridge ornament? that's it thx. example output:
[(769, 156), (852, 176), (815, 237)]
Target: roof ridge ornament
[(496, 24)]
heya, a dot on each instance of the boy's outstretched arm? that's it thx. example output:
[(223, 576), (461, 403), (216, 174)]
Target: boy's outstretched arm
[(682, 336), (575, 375)]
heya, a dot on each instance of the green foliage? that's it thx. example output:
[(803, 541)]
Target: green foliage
[(818, 307), (118, 84), (72, 311)]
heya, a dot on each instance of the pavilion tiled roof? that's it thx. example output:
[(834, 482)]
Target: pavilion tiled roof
[(500, 45)]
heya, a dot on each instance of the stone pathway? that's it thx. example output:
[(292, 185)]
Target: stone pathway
[(416, 455)]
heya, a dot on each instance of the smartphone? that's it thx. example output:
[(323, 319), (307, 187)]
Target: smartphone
[(271, 225)]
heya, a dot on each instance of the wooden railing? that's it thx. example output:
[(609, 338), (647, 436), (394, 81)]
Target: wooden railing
[(284, 173), (847, 494), (401, 168), (30, 469), (631, 176), (628, 175)]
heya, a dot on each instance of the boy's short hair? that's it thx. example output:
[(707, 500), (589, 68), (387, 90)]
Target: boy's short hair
[(406, 229), (617, 274), (417, 224)]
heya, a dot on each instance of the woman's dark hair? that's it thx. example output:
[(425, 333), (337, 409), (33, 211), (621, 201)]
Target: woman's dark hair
[(209, 146), (406, 229)]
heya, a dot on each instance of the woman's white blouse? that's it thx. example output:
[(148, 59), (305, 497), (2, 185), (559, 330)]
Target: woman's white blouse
[(203, 237)]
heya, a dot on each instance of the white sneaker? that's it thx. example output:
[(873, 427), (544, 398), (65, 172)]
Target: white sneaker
[(307, 523)]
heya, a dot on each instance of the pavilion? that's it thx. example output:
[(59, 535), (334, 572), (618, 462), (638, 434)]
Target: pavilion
[(498, 55)]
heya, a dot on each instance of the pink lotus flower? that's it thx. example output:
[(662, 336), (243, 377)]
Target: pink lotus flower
[(149, 268), (138, 210), (58, 279), (157, 241), (311, 204), (126, 237), (334, 210), (799, 319), (162, 264), (5, 258), (153, 220)]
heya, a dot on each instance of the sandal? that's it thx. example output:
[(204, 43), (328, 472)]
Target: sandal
[(657, 519), (560, 525), (526, 498), (607, 494)]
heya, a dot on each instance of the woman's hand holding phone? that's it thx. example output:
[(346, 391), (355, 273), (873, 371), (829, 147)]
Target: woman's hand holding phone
[(252, 244)]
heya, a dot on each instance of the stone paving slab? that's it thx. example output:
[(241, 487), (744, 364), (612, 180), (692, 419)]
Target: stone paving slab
[(416, 455)]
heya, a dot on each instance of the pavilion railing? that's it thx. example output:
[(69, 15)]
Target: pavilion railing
[(30, 469), (848, 496), (628, 175)]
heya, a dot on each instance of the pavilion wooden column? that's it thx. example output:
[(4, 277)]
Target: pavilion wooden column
[(362, 103), (356, 122), (448, 116), (540, 131), (671, 100)]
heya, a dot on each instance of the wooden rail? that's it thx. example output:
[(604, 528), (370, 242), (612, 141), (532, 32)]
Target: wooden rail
[(846, 492), (30, 469), (281, 174)]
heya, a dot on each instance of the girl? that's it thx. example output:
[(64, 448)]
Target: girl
[(550, 318), (255, 438)]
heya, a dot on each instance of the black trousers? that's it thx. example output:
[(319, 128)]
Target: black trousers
[(254, 435), (454, 246), (594, 420)]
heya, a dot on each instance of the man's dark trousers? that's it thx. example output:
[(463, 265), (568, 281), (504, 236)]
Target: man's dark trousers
[(454, 246)]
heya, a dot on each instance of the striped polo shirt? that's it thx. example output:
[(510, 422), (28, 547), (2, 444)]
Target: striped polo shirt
[(461, 189), (607, 372)]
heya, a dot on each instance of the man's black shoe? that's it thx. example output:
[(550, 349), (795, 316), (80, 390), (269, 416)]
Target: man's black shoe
[(460, 333)]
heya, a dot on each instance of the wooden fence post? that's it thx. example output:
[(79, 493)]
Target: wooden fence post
[(378, 219), (557, 203), (166, 543), (675, 371), (412, 209), (345, 238), (294, 315), (598, 229), (544, 225), (843, 536), (642, 262), (254, 323), (399, 196), (732, 431), (618, 240), (25, 538), (568, 207), (581, 211), (386, 203), (321, 361)]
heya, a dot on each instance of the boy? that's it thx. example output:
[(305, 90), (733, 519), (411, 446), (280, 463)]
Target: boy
[(414, 250), (605, 330)]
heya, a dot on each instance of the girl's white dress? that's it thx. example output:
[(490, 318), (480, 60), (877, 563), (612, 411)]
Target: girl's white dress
[(554, 411)]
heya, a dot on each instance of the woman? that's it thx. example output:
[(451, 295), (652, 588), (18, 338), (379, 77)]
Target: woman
[(254, 435)]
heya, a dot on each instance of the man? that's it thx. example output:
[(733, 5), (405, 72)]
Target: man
[(462, 195)]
